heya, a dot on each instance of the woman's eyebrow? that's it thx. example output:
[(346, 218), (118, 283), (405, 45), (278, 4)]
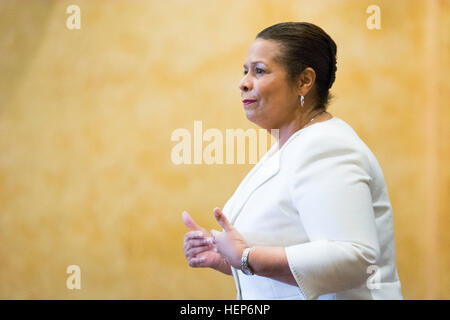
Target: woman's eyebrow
[(253, 63)]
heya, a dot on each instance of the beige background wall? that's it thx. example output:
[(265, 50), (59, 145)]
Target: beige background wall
[(86, 118)]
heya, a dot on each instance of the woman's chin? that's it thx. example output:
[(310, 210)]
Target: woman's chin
[(250, 115), (253, 113), (253, 118)]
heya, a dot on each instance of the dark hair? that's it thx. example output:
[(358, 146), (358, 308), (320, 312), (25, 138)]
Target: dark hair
[(306, 45)]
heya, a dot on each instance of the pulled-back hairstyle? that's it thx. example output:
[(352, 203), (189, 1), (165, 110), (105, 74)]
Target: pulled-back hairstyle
[(306, 45)]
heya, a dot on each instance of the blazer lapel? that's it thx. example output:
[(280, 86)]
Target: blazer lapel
[(266, 168), (261, 173)]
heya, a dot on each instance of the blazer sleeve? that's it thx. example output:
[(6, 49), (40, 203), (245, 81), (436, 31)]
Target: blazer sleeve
[(329, 187)]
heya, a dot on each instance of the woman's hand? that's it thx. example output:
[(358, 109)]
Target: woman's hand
[(199, 248), (229, 243)]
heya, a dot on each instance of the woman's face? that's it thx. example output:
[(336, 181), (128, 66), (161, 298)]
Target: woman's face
[(269, 100)]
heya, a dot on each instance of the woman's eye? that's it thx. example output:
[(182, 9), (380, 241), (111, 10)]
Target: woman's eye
[(245, 72), (259, 70)]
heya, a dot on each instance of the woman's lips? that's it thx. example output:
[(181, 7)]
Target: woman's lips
[(246, 102)]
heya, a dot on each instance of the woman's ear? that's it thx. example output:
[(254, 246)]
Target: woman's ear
[(306, 81)]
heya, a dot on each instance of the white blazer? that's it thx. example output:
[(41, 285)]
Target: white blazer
[(323, 198)]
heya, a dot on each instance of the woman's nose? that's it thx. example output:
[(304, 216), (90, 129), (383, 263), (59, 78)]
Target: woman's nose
[(245, 85)]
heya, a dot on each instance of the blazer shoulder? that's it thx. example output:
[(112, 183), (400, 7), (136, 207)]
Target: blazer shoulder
[(332, 141), (333, 136)]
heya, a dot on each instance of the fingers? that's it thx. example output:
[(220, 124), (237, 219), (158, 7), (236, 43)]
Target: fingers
[(215, 233), (195, 251), (189, 222), (195, 243), (194, 235), (218, 238), (199, 247), (222, 220), (197, 262)]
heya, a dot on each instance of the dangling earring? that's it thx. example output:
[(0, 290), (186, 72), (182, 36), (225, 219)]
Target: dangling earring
[(302, 101)]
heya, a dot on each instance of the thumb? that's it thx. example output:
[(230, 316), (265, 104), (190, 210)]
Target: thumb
[(189, 222), (222, 220)]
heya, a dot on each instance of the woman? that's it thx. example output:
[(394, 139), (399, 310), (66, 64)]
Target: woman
[(312, 219)]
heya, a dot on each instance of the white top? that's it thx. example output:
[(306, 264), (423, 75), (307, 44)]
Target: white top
[(324, 199)]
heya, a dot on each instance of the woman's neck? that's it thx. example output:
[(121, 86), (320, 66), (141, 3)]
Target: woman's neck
[(286, 131)]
